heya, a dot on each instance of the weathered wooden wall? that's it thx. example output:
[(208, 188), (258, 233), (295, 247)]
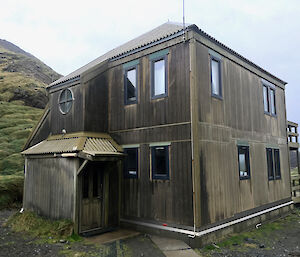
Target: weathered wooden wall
[(159, 120), (49, 186), (96, 104), (73, 121), (222, 123)]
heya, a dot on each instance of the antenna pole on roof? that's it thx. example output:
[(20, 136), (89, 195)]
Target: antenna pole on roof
[(183, 20)]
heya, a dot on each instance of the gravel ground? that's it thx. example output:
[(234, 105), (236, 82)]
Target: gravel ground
[(19, 244), (281, 242)]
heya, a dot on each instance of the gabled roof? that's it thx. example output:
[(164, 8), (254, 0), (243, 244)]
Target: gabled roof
[(165, 31), (94, 144)]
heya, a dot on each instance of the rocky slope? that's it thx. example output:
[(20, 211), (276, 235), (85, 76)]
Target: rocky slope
[(23, 77)]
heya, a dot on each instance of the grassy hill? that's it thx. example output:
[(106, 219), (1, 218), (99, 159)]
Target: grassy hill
[(23, 79)]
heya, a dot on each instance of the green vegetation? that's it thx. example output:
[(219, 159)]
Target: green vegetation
[(250, 239), (16, 123), (45, 229), (23, 78), (11, 190)]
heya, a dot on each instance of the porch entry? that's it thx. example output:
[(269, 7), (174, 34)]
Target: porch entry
[(99, 199), (92, 197)]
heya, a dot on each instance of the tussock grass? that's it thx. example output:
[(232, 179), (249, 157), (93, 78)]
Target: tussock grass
[(16, 123), (11, 190), (37, 226)]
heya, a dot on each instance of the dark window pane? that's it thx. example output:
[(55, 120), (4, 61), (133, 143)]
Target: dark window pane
[(270, 163), (131, 162), (215, 77), (160, 162), (277, 163), (131, 85), (266, 99), (159, 78), (272, 101), (85, 186)]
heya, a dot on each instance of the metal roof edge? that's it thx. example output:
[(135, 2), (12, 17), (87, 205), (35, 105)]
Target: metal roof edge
[(195, 28), (139, 49), (64, 82)]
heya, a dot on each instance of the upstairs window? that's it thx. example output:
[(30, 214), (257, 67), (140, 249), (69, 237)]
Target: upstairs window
[(273, 163), (272, 102), (159, 86), (244, 162), (266, 98), (160, 162), (269, 99), (131, 163), (65, 101), (215, 70), (130, 85)]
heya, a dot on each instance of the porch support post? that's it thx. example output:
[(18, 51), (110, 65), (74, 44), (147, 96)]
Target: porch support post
[(77, 197)]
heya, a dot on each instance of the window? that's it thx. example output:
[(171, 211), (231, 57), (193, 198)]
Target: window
[(266, 99), (244, 162), (159, 83), (130, 85), (131, 163), (215, 70), (269, 99), (270, 163), (277, 164), (65, 101), (272, 101), (273, 163), (160, 162)]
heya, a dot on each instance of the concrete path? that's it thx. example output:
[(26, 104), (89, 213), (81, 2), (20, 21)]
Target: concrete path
[(112, 236), (173, 247)]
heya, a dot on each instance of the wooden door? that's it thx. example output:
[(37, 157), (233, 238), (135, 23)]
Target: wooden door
[(91, 199)]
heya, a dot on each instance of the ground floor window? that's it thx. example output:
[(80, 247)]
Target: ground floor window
[(131, 163), (273, 163), (160, 162), (244, 162)]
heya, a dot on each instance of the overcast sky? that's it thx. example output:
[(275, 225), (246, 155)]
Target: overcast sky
[(67, 34)]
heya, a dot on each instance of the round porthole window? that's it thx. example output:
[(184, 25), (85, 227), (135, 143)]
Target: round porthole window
[(65, 101)]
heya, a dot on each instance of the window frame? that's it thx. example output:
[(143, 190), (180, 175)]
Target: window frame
[(125, 168), (277, 164), (269, 88), (152, 75), (154, 175), (247, 161), (129, 68), (65, 101), (276, 167), (219, 61)]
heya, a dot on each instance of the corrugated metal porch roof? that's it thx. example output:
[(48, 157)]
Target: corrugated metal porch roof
[(89, 143)]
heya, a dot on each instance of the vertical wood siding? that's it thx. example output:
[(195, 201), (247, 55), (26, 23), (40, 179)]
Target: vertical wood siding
[(73, 120), (238, 116), (49, 187), (160, 200)]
